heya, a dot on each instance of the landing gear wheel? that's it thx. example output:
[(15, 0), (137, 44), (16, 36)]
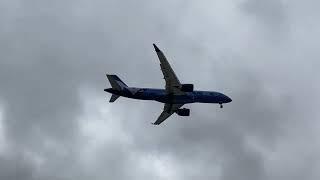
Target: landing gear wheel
[(221, 106)]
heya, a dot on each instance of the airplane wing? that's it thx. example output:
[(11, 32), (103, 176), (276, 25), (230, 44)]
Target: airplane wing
[(168, 110), (173, 84)]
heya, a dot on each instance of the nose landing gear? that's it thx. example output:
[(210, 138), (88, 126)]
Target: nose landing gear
[(221, 105)]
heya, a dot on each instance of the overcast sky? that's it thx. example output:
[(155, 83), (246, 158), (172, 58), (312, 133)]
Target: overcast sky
[(56, 122)]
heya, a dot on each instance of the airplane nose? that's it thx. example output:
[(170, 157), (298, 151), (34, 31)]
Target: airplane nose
[(228, 99)]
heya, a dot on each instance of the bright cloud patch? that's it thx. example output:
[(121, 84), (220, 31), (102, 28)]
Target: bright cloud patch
[(99, 126), (103, 131)]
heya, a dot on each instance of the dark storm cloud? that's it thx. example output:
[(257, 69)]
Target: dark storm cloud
[(51, 51)]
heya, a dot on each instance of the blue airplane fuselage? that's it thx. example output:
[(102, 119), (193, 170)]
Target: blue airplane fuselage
[(161, 95)]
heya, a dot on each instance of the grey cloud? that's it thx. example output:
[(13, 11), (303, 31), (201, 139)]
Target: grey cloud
[(270, 12), (15, 168)]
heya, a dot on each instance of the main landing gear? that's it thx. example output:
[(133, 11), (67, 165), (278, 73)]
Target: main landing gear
[(221, 105)]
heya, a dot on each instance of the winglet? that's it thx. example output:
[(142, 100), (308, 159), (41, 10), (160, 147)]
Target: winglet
[(156, 48)]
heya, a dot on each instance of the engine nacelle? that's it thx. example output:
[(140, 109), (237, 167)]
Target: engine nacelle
[(187, 87), (183, 112)]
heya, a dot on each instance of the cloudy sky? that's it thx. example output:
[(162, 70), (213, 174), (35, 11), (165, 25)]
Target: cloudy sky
[(56, 122)]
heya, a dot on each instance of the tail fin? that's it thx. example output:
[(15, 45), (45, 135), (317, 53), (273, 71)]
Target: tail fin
[(116, 82)]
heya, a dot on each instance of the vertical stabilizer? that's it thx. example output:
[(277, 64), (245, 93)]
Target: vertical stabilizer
[(116, 82), (117, 85)]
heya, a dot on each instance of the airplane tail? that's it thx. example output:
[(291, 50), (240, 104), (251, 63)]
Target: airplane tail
[(116, 84), (114, 98)]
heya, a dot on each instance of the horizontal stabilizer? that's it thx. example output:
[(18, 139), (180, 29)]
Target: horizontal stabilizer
[(113, 98)]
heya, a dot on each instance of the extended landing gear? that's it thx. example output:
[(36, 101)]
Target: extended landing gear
[(221, 105)]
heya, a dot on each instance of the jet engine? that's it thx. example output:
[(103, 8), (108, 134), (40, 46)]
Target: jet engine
[(183, 112), (187, 87)]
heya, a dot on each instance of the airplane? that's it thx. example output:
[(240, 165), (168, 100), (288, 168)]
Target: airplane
[(174, 96)]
